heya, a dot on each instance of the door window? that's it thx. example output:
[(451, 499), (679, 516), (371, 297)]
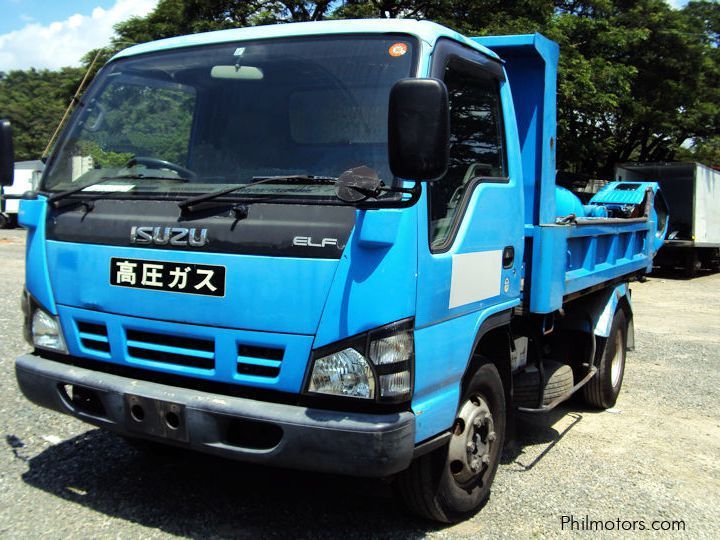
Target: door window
[(476, 146)]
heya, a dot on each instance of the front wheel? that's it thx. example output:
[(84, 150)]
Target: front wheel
[(452, 483)]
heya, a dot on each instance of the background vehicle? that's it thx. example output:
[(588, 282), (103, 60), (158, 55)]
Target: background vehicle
[(692, 191), (27, 176), (345, 314)]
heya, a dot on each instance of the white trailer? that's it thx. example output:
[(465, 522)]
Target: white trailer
[(27, 175), (692, 192)]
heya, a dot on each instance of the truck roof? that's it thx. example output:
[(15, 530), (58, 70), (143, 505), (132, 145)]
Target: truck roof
[(427, 31)]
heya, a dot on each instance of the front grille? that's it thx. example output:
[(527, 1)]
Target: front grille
[(206, 345), (93, 336), (259, 361), (171, 349)]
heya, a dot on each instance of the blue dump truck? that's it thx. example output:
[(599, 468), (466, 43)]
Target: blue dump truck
[(332, 246)]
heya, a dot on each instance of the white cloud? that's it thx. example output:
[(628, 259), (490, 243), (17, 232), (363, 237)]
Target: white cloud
[(63, 43)]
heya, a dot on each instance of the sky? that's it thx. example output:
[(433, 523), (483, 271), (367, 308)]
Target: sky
[(56, 33)]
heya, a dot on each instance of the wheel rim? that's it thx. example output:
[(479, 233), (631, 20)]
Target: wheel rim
[(472, 443), (616, 366)]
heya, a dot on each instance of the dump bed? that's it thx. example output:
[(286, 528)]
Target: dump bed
[(568, 253), (612, 239)]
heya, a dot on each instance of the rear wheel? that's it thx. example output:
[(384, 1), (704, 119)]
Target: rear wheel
[(4, 221), (603, 389), (526, 384), (453, 482)]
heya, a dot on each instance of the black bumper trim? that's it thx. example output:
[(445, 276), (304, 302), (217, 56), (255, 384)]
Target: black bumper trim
[(356, 444)]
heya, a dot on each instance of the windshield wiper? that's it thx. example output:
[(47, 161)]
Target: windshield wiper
[(187, 204), (63, 194), (301, 178), (141, 176)]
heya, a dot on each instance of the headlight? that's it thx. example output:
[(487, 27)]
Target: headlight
[(46, 332), (375, 366), (344, 373)]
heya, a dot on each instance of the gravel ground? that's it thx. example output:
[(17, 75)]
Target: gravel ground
[(654, 456)]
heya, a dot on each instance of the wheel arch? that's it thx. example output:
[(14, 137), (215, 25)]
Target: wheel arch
[(593, 315), (492, 344)]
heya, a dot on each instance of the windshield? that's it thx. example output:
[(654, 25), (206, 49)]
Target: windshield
[(221, 115)]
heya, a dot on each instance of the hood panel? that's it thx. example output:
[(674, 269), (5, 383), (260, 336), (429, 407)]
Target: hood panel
[(279, 230), (273, 294)]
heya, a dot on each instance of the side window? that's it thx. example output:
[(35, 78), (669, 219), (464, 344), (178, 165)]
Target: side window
[(476, 145)]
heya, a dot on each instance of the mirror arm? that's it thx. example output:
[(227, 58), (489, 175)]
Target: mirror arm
[(385, 189), (414, 192)]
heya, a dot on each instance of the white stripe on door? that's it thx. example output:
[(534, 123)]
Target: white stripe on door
[(475, 276)]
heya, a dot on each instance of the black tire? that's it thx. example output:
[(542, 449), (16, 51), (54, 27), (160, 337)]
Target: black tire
[(710, 259), (559, 381), (430, 487), (692, 264), (603, 389), (4, 221)]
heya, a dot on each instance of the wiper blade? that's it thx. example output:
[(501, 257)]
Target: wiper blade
[(63, 194), (298, 178), (147, 177), (77, 189), (257, 180)]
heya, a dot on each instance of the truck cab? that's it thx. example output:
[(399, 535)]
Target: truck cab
[(331, 246)]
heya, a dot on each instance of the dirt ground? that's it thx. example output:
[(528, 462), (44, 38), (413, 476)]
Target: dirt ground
[(651, 459)]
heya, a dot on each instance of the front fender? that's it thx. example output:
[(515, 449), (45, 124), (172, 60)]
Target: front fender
[(32, 216), (443, 352)]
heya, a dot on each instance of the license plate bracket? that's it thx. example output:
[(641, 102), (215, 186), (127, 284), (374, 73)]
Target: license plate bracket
[(156, 417)]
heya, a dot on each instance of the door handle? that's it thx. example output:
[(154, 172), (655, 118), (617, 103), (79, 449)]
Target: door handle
[(508, 257)]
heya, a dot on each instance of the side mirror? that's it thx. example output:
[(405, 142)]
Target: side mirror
[(419, 129), (7, 156)]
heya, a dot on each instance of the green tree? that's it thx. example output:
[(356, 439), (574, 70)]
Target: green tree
[(706, 150), (34, 102), (180, 17), (637, 80)]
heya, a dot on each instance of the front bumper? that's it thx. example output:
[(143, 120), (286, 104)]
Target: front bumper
[(255, 431)]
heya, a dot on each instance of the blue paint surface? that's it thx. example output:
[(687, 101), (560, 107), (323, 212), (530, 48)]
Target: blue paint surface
[(531, 66), (31, 215), (375, 282), (269, 294)]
